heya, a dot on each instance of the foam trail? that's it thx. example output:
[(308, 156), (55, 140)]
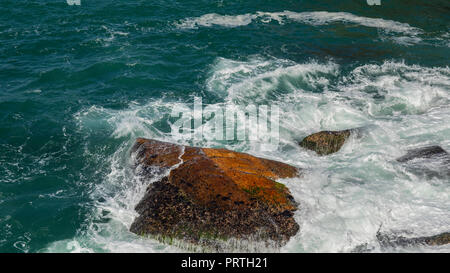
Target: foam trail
[(319, 18), (212, 19), (316, 18)]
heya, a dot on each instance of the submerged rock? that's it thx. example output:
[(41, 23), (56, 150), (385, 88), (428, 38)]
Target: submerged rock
[(213, 194), (327, 142), (432, 161), (395, 241), (426, 152)]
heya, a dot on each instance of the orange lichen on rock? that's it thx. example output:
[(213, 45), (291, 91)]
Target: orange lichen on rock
[(247, 163), (153, 154), (214, 191)]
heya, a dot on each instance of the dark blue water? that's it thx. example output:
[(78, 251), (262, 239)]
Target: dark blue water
[(79, 83)]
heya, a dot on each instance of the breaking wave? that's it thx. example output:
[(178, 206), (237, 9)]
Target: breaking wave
[(345, 199)]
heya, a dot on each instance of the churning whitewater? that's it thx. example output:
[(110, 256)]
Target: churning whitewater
[(80, 84), (345, 199)]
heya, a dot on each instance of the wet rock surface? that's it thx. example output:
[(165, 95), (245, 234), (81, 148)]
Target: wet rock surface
[(212, 194), (423, 153), (432, 161), (396, 241), (328, 142)]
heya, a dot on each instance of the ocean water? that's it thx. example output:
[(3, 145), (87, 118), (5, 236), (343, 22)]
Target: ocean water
[(78, 84)]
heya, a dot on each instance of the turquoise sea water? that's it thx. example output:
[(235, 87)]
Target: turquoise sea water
[(78, 84)]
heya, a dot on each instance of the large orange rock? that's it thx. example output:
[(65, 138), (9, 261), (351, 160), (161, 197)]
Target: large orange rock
[(212, 194)]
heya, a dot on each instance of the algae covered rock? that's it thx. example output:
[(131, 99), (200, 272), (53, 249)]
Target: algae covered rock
[(213, 194), (326, 142)]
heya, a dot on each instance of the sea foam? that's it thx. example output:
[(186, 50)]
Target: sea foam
[(316, 18), (344, 199)]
